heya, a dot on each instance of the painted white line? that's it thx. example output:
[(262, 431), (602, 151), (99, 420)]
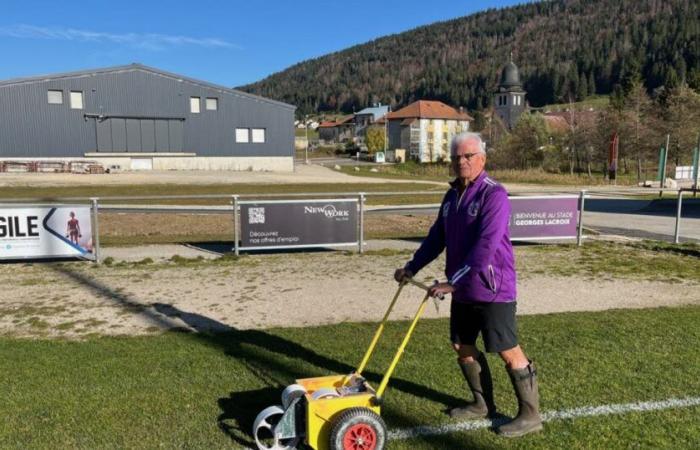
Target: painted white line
[(586, 411)]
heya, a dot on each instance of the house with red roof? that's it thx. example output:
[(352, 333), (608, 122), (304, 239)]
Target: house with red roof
[(339, 130), (425, 129)]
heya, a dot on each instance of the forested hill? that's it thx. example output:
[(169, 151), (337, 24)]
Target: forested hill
[(563, 48)]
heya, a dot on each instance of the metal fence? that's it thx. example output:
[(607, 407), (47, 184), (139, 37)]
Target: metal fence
[(126, 204)]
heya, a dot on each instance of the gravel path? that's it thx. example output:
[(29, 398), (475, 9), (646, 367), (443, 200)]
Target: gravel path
[(261, 291)]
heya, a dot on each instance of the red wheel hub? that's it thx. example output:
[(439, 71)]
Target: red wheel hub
[(360, 437)]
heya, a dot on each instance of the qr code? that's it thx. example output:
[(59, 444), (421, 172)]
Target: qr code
[(256, 215)]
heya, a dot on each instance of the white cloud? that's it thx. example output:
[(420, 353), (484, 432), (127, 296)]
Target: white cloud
[(149, 41)]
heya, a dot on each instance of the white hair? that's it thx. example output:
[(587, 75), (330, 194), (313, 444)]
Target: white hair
[(466, 136)]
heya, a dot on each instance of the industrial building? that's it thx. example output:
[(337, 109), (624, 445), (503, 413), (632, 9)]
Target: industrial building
[(138, 117)]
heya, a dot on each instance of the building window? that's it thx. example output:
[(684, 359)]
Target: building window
[(258, 135), (194, 105), (212, 104), (76, 100), (242, 135), (55, 97)]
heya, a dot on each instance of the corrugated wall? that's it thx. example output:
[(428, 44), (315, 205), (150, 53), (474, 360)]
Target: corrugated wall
[(30, 127)]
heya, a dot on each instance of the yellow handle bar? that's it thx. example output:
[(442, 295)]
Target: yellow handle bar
[(406, 338)]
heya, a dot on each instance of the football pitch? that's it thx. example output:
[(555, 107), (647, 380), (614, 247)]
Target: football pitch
[(611, 379)]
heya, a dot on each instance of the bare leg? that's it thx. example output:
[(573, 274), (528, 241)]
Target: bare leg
[(514, 358), (466, 353)]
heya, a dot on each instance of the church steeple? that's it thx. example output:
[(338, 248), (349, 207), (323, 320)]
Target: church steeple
[(509, 99)]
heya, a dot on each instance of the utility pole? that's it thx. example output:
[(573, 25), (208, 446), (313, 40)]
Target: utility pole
[(663, 175), (386, 128), (306, 132)]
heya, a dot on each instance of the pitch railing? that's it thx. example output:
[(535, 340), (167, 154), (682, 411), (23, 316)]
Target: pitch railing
[(107, 204)]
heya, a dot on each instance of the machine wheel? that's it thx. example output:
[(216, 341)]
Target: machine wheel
[(266, 437), (358, 429)]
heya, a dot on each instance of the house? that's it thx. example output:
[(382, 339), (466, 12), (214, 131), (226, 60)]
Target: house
[(562, 122), (139, 117), (337, 131), (555, 124), (425, 128), (367, 117)]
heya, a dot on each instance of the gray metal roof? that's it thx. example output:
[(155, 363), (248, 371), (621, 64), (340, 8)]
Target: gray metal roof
[(143, 68), (376, 111)]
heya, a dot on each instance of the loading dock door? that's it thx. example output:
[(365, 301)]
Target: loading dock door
[(136, 135)]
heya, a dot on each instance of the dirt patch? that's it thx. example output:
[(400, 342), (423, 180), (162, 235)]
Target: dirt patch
[(303, 173), (121, 228), (261, 291), (135, 224), (393, 225)]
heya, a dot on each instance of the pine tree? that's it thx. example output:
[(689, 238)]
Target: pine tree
[(591, 84)]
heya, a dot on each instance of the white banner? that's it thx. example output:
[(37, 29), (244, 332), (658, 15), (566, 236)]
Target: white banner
[(28, 232)]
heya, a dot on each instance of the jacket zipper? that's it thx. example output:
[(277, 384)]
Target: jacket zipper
[(492, 279)]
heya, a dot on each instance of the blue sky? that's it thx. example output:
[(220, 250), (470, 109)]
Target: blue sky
[(225, 42)]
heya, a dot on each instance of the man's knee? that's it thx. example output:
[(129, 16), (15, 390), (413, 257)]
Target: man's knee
[(465, 353), (514, 357)]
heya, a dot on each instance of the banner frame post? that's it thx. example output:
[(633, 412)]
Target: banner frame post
[(361, 221), (676, 234), (662, 169), (236, 228), (96, 228), (579, 235), (696, 167)]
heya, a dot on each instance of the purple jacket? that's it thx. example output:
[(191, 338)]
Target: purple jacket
[(474, 229)]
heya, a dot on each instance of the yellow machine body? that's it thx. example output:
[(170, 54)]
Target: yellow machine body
[(321, 413)]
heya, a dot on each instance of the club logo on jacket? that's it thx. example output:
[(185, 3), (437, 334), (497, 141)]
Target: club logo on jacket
[(445, 210), (473, 208)]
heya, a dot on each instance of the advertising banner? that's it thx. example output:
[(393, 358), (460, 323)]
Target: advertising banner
[(34, 232), (550, 217), (278, 224)]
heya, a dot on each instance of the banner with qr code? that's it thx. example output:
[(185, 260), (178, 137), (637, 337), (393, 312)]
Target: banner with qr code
[(276, 224)]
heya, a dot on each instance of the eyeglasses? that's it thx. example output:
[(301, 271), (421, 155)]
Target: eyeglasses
[(467, 156)]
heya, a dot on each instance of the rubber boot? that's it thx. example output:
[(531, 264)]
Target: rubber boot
[(478, 378), (528, 419)]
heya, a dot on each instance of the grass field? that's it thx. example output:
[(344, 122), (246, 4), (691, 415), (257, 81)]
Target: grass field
[(594, 101), (301, 132), (442, 172), (48, 193), (203, 391)]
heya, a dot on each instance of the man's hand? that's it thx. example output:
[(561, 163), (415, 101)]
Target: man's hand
[(441, 288), (402, 274)]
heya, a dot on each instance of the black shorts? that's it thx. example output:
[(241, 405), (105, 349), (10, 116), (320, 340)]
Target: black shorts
[(495, 321)]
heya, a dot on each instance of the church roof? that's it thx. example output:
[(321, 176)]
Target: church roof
[(510, 76)]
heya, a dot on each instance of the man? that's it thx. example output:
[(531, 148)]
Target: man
[(472, 225)]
